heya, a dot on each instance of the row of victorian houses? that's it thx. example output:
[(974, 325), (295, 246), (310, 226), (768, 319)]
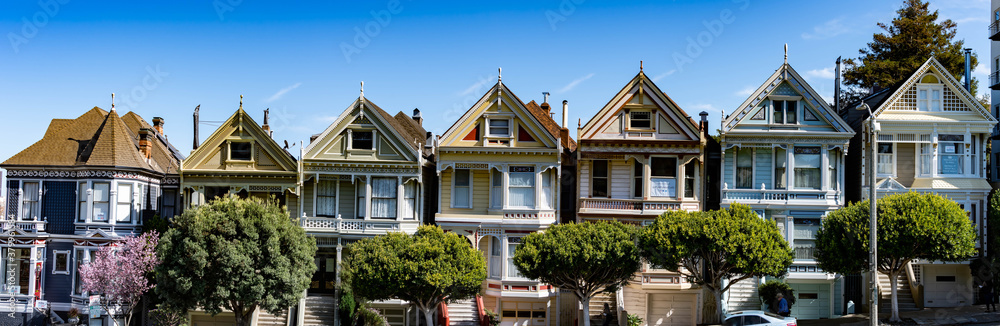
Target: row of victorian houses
[(506, 169)]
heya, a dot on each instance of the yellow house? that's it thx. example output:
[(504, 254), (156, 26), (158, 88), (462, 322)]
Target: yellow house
[(361, 177), (640, 156), (499, 168)]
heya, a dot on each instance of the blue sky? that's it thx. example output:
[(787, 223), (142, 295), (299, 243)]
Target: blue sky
[(163, 59)]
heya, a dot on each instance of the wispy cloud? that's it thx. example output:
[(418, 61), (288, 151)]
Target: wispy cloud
[(827, 30), (664, 75), (281, 93), (704, 107), (474, 87), (574, 83), (746, 91), (825, 73)]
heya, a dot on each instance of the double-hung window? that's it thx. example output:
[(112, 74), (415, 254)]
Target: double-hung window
[(521, 187), (462, 190), (384, 192), (929, 97), (780, 168), (496, 188), (638, 175), (885, 159), (326, 198), (663, 177), (926, 154), (599, 178), (548, 198), (361, 193), (499, 128), (240, 151), (362, 139), (29, 200), (18, 270), (123, 209), (640, 120), (744, 168), (410, 200), (690, 173), (495, 252), (833, 159), (102, 202), (807, 167), (785, 112), (512, 244), (951, 154)]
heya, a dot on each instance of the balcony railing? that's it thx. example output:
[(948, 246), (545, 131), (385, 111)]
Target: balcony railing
[(26, 226), (778, 196), (805, 253), (353, 226), (995, 30), (995, 80), (629, 206)]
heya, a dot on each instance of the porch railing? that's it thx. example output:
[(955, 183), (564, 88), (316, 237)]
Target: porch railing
[(805, 253), (353, 226), (778, 195), (633, 206)]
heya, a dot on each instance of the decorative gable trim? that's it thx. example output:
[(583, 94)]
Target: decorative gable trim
[(361, 114), (243, 124), (464, 126), (949, 82), (641, 85), (773, 83)]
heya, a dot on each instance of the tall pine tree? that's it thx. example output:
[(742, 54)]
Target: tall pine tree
[(913, 36)]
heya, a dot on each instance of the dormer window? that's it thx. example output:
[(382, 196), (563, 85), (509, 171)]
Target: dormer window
[(640, 120), (785, 112), (240, 151), (929, 93), (499, 128), (362, 140)]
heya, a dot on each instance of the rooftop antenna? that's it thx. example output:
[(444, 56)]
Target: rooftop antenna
[(362, 89), (640, 65), (499, 73), (112, 101), (786, 53)]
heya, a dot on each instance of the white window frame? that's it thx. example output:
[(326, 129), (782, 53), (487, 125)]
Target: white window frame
[(454, 185), (652, 119), (489, 127), (395, 200), (694, 178), (69, 261), (509, 261), (93, 203), (607, 179), (736, 168), (534, 187), (130, 200), (497, 192), (774, 168), (350, 139), (326, 196), (676, 177), (891, 163), (88, 256), (33, 256), (360, 199), (784, 109), (930, 88), (640, 177), (820, 168), (229, 151), (496, 265), (36, 204), (960, 152)]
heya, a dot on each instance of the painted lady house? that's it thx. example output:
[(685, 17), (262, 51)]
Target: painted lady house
[(500, 168), (639, 156), (783, 155), (86, 182)]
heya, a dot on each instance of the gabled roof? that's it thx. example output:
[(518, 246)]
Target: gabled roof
[(641, 82), (97, 138), (403, 128), (900, 89), (498, 92), (550, 125), (783, 74), (241, 121)]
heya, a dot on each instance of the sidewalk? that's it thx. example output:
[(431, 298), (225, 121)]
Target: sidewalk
[(929, 316)]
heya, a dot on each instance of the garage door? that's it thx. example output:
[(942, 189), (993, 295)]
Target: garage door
[(670, 309), (222, 319), (812, 301)]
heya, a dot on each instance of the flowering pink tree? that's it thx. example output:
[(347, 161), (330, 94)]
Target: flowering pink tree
[(118, 273)]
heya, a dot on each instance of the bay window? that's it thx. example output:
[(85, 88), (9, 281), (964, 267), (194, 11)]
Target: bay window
[(384, 197), (123, 210), (361, 192), (548, 198), (926, 154), (29, 200), (410, 200), (885, 158), (18, 270), (326, 198), (807, 163), (496, 189), (81, 194), (462, 190), (744, 168), (495, 252), (521, 186), (780, 168), (599, 178), (951, 154), (690, 173), (833, 159), (102, 201), (512, 271), (638, 174), (663, 177)]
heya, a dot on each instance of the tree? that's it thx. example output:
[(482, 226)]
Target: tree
[(910, 226), (586, 258), (118, 273), (236, 254), (730, 244), (910, 39), (426, 269), (993, 223)]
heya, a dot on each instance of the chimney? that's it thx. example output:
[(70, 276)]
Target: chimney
[(836, 88), (158, 125), (968, 69), (145, 145), (704, 121), (417, 118), (266, 126), (545, 104), (196, 109), (313, 138), (565, 112)]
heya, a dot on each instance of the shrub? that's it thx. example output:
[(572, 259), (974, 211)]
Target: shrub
[(769, 291)]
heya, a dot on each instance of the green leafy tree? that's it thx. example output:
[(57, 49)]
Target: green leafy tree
[(426, 269), (993, 224), (912, 37), (768, 293), (730, 244), (586, 258), (235, 254), (910, 226)]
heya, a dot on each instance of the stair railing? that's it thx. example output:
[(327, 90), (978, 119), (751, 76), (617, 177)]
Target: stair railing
[(916, 289), (443, 318), (481, 311)]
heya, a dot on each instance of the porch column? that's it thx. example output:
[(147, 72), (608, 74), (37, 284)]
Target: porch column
[(112, 203), (336, 297), (368, 197)]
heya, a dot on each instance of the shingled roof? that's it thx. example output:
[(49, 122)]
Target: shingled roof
[(406, 127), (96, 138), (550, 125)]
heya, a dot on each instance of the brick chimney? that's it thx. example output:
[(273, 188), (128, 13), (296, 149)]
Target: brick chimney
[(545, 103), (158, 125), (145, 142)]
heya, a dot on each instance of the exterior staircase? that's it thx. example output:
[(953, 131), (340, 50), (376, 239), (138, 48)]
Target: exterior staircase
[(463, 313), (597, 307), (265, 318), (903, 294), (319, 310), (743, 296)]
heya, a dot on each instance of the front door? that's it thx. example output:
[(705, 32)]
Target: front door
[(324, 281)]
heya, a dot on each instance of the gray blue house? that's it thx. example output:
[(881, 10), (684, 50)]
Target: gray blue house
[(88, 181), (783, 155)]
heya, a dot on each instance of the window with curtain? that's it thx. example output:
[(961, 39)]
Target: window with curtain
[(29, 201), (410, 200), (123, 209), (690, 175), (326, 198), (785, 112), (951, 154), (885, 157), (362, 139), (495, 251), (638, 174), (926, 154), (599, 178), (521, 186), (384, 197), (744, 168), (780, 168), (496, 189), (663, 177), (807, 171), (463, 188), (512, 271), (360, 191), (548, 199), (19, 270), (833, 160), (102, 201), (81, 194)]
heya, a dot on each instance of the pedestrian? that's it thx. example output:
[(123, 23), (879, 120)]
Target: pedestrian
[(988, 296), (783, 306), (607, 314)]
